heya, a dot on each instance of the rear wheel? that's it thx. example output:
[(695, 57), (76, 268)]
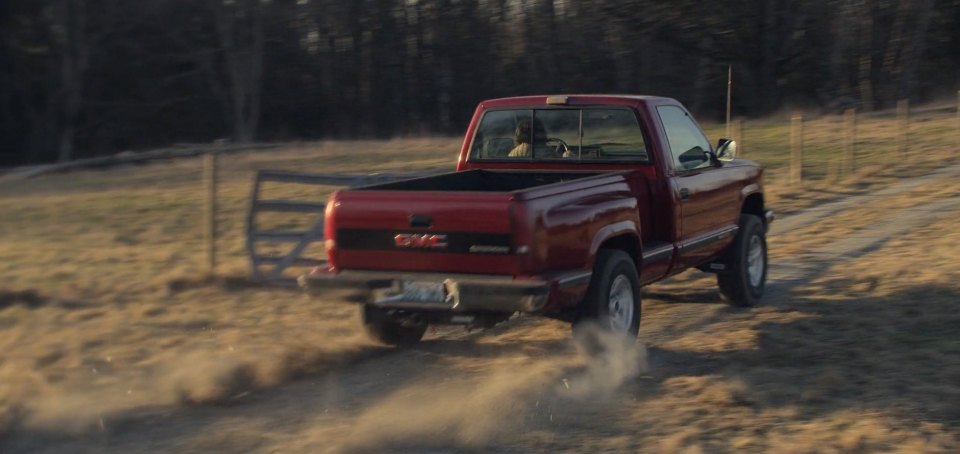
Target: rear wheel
[(613, 298), (383, 327), (746, 276)]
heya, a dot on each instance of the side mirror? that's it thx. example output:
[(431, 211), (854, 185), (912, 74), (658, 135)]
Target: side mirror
[(726, 149)]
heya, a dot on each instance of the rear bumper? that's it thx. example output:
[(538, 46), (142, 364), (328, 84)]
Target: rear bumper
[(463, 293)]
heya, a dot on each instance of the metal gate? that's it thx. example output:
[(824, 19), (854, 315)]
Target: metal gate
[(288, 245)]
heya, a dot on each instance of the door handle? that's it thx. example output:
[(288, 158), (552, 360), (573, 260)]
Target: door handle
[(684, 193)]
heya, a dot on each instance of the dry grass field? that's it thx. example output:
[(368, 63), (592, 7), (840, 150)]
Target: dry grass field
[(114, 340)]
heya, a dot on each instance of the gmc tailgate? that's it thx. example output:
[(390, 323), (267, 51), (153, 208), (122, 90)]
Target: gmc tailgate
[(421, 231)]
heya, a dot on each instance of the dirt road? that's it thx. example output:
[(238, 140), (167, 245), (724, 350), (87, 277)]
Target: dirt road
[(855, 350)]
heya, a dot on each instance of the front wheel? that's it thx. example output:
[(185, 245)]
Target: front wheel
[(386, 329), (613, 298), (746, 276)]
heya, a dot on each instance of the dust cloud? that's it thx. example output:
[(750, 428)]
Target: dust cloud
[(614, 358), (473, 412), (198, 377), (460, 409)]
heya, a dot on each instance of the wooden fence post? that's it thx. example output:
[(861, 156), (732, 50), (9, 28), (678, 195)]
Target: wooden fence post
[(903, 127), (210, 214), (796, 149), (738, 136), (849, 141)]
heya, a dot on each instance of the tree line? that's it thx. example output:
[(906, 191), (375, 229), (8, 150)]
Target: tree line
[(85, 77)]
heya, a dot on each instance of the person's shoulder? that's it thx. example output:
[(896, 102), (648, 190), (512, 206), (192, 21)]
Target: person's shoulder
[(520, 150)]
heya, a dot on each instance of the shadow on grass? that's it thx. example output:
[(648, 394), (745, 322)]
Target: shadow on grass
[(897, 354), (31, 299), (27, 298), (225, 283), (689, 296)]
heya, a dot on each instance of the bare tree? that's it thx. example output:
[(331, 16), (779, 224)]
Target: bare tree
[(240, 34), (69, 30), (866, 45), (915, 48), (840, 53)]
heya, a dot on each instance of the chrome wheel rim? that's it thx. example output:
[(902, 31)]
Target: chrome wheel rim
[(755, 262), (620, 305)]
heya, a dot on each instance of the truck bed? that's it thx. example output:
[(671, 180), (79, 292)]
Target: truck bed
[(478, 221), (482, 181)]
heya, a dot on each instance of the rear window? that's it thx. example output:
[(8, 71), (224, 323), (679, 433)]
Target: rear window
[(560, 134)]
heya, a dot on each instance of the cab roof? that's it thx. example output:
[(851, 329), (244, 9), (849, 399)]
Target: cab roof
[(578, 100)]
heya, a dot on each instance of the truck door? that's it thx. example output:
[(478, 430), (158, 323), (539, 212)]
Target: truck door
[(708, 197)]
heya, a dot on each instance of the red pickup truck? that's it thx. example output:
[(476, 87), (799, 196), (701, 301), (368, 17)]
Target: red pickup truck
[(560, 205)]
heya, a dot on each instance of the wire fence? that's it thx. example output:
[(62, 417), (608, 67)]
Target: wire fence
[(806, 148)]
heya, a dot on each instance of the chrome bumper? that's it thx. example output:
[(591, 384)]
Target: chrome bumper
[(463, 293), (768, 218)]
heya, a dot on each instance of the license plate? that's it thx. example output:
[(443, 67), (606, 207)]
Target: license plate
[(424, 292)]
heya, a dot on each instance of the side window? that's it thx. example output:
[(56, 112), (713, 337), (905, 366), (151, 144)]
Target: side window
[(687, 143)]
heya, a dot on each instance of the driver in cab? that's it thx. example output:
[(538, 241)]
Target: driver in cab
[(529, 136)]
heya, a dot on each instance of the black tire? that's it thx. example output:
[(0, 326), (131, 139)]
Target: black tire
[(610, 265), (736, 287), (384, 329)]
